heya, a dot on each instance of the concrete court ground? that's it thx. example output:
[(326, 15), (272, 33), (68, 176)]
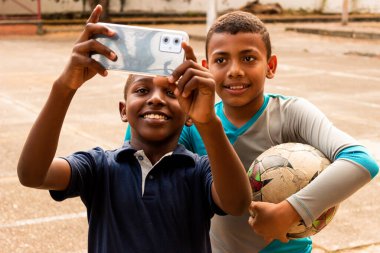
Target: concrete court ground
[(335, 74)]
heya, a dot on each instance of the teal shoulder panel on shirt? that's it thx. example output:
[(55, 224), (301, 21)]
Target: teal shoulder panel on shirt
[(360, 155), (303, 245), (272, 95)]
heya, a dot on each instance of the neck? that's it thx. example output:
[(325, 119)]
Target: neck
[(239, 115), (154, 150)]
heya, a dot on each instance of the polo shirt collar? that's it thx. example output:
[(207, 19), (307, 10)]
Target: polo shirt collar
[(179, 152)]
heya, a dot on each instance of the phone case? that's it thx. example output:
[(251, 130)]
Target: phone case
[(143, 50)]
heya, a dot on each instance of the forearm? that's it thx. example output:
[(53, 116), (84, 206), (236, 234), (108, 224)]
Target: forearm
[(229, 176), (336, 183), (40, 147)]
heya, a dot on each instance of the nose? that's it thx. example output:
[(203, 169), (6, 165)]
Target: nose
[(235, 70), (157, 97)]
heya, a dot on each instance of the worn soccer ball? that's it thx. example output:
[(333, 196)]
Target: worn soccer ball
[(282, 171)]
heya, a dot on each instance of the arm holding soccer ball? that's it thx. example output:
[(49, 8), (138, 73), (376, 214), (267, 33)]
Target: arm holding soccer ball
[(352, 168), (267, 219)]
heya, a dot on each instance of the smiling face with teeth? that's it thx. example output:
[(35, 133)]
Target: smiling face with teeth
[(152, 111), (240, 66)]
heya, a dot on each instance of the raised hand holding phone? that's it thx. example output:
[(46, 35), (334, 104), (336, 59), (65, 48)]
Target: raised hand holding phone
[(195, 88), (81, 67)]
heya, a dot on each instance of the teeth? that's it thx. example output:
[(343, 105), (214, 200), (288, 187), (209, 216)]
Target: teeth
[(154, 116), (237, 87)]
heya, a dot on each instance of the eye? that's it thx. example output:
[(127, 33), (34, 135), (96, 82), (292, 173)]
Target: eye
[(220, 60), (170, 93), (141, 90), (249, 58)]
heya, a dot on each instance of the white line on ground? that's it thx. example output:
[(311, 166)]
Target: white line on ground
[(343, 74), (32, 109), (43, 220), (310, 71)]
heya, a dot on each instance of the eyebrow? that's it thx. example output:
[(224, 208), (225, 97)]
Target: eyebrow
[(142, 79), (219, 53), (251, 50)]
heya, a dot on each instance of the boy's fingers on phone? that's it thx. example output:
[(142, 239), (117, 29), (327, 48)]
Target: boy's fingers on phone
[(92, 29), (193, 84), (185, 78), (88, 65), (99, 48), (95, 14), (97, 67), (189, 52), (181, 69), (194, 78), (91, 47), (176, 74)]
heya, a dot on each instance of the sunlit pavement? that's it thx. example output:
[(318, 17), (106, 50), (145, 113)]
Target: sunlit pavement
[(339, 75)]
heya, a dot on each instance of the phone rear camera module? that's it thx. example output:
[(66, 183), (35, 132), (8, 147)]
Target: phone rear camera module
[(170, 43)]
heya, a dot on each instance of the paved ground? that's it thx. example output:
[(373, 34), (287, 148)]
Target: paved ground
[(340, 75)]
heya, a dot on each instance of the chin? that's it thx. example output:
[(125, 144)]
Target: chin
[(160, 137), (235, 102)]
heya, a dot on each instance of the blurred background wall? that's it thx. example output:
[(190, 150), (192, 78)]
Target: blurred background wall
[(132, 7)]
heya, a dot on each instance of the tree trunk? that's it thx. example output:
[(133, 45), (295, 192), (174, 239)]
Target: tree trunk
[(345, 11)]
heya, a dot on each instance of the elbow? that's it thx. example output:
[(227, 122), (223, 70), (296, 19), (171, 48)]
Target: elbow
[(29, 183), (26, 179), (243, 207), (240, 207), (238, 210)]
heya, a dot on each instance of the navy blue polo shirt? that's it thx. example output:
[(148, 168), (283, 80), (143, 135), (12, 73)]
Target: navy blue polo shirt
[(172, 215)]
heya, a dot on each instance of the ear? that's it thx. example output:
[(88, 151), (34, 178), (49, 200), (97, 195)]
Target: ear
[(189, 122), (272, 66), (204, 64), (123, 111)]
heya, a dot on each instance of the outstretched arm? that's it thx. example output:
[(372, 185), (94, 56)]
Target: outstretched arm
[(36, 167), (196, 94)]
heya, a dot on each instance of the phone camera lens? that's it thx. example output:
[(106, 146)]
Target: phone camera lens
[(176, 41), (165, 40)]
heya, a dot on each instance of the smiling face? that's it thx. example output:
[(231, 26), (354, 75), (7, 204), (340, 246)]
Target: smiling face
[(152, 111), (240, 66)]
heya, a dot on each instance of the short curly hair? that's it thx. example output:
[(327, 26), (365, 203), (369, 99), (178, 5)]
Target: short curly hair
[(130, 80), (239, 21)]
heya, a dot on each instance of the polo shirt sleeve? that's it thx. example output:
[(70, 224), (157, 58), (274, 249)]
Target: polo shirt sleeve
[(204, 165), (84, 168)]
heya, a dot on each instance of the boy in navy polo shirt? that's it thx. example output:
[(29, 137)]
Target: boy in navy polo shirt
[(151, 195)]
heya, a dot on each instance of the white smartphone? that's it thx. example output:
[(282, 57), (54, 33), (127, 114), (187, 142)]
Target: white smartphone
[(143, 50)]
